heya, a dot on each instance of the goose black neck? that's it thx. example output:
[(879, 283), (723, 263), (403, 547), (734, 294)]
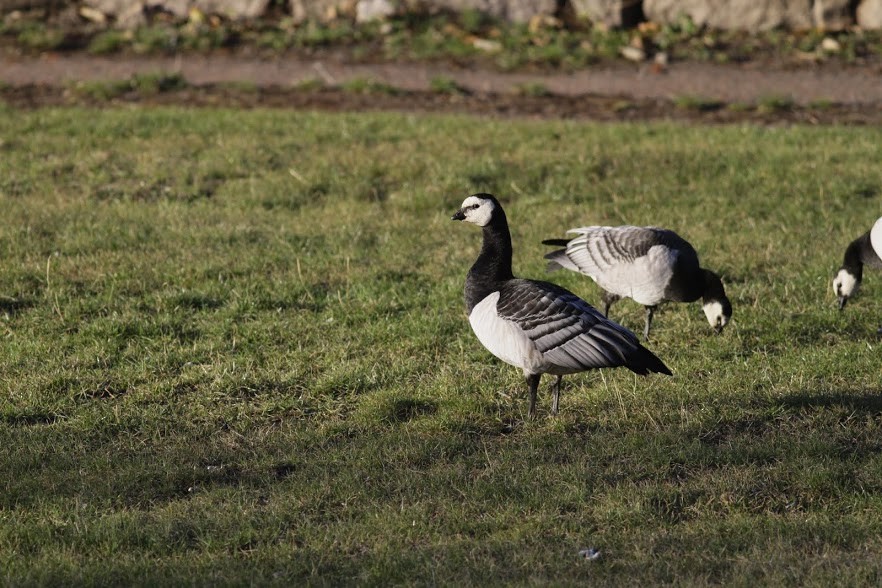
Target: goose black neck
[(493, 265), (858, 252), (713, 287)]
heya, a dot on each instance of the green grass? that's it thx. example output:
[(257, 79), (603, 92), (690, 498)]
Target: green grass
[(310, 85), (698, 103), (234, 352), (243, 86), (36, 36), (157, 82), (821, 104), (147, 84), (108, 42), (533, 89), (740, 106), (366, 86), (773, 104), (101, 89), (446, 85)]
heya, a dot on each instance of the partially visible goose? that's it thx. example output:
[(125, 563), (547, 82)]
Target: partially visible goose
[(865, 250), (647, 264), (537, 326)]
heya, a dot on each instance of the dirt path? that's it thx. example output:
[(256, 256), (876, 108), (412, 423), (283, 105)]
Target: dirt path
[(728, 83), (698, 92)]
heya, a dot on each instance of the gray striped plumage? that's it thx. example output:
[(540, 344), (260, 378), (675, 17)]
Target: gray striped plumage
[(572, 335), (648, 264)]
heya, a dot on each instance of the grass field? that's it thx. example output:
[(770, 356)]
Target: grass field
[(234, 351)]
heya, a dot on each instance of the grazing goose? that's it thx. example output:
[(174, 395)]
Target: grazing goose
[(537, 326), (647, 264), (865, 250)]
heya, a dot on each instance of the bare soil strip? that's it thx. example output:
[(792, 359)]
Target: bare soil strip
[(820, 95)]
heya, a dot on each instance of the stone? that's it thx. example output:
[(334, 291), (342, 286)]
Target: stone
[(486, 45), (744, 15), (633, 53), (233, 9), (610, 13), (93, 15), (127, 14), (519, 11), (869, 14), (832, 15), (370, 10), (132, 17), (831, 45), (320, 10), (130, 13), (178, 8), (660, 59)]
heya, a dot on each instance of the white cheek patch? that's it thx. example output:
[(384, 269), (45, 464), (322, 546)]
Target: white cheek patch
[(714, 313), (479, 216), (845, 284)]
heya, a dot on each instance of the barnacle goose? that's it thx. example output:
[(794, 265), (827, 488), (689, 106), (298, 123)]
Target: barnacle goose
[(538, 326), (865, 250), (647, 264)]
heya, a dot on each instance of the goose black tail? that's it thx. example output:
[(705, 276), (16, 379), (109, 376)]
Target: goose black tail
[(644, 362), (558, 259)]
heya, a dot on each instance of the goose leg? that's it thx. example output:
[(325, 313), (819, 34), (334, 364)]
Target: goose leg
[(649, 312), (533, 383), (555, 396), (608, 300)]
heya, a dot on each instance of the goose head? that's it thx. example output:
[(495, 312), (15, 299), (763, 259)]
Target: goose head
[(477, 209), (845, 285), (718, 313), (715, 303)]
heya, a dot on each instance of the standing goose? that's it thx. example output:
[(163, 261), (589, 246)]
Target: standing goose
[(647, 264), (537, 326), (865, 250)]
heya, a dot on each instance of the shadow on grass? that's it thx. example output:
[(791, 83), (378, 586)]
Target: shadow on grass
[(13, 306), (403, 410), (28, 418), (862, 400)]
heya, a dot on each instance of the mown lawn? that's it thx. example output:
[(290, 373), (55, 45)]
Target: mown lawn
[(234, 352)]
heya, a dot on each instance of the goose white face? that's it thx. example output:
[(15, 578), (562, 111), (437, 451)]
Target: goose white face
[(845, 285), (477, 210), (715, 316)]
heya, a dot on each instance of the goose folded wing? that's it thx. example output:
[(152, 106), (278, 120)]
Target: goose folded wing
[(597, 249), (569, 332)]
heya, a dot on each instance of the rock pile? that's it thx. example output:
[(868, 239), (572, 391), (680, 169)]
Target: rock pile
[(744, 15)]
